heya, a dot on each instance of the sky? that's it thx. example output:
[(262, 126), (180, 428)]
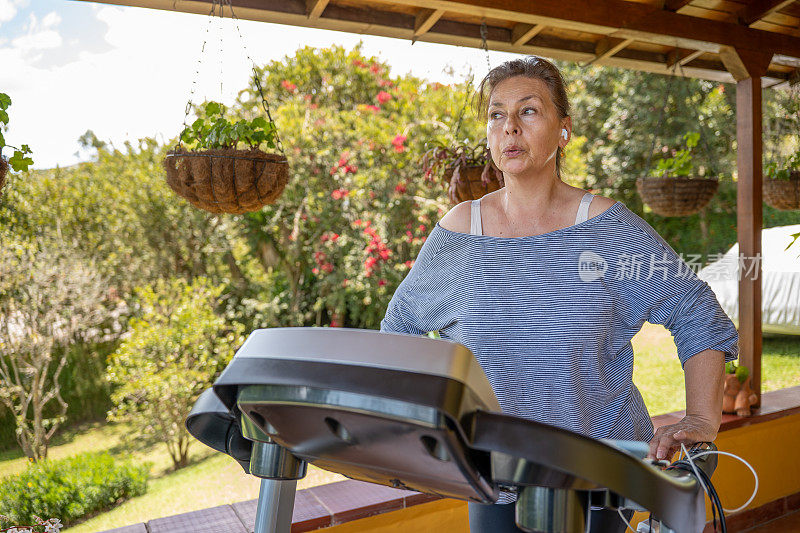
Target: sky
[(125, 72)]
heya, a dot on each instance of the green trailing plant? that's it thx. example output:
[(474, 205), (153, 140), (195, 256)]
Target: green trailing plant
[(680, 164), (776, 171), (442, 159), (215, 131), (20, 160)]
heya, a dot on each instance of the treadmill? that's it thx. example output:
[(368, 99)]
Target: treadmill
[(417, 413)]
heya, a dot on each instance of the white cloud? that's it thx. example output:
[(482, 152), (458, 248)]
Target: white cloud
[(40, 36), (8, 9)]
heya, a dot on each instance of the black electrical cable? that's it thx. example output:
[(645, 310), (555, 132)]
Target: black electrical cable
[(716, 504)]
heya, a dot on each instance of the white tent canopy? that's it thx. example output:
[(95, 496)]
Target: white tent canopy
[(780, 281)]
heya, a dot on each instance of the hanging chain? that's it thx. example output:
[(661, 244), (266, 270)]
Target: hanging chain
[(197, 71), (256, 78), (220, 31), (661, 115), (709, 154), (463, 105), (485, 43)]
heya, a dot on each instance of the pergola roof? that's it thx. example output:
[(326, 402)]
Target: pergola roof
[(647, 35)]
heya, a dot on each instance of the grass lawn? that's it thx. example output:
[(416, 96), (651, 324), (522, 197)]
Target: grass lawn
[(658, 375), (213, 479)]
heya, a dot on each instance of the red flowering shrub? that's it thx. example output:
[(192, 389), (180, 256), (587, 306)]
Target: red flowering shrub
[(357, 209)]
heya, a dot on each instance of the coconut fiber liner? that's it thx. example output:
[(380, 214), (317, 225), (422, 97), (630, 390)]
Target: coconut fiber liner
[(3, 171), (473, 182), (227, 181), (676, 196), (783, 194)]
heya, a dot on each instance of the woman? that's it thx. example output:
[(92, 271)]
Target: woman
[(547, 284)]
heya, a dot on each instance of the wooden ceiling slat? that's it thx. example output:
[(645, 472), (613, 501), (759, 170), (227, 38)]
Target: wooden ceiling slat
[(522, 33), (618, 18), (608, 46), (710, 14), (674, 5), (761, 8), (314, 8), (425, 20), (648, 32)]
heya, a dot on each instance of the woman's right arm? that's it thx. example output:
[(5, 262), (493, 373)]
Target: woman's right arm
[(417, 305)]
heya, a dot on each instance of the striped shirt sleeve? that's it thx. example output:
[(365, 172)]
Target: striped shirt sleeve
[(403, 314), (656, 285)]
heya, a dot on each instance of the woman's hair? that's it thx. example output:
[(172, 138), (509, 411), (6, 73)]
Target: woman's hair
[(530, 67)]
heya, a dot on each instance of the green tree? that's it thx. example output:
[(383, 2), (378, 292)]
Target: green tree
[(49, 298), (173, 353)]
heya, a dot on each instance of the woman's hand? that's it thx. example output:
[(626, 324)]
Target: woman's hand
[(688, 431)]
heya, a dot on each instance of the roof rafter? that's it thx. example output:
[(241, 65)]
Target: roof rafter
[(425, 20), (618, 18), (755, 11), (522, 33)]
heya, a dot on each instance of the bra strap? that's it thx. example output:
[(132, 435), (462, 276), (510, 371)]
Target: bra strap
[(583, 209), (475, 225)]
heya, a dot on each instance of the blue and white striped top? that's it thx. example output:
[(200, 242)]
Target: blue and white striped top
[(550, 317)]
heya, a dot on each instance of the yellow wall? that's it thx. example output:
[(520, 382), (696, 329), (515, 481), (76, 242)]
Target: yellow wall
[(442, 516), (771, 447)]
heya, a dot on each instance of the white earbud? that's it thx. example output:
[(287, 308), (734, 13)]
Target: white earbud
[(564, 133)]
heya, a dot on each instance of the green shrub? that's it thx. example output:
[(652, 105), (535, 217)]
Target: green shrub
[(70, 489)]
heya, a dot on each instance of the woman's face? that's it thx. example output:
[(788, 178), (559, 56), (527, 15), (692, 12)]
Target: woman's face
[(523, 127)]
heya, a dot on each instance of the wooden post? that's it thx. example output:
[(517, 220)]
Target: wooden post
[(747, 68)]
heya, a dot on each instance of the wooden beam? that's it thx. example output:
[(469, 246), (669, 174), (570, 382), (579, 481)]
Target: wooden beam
[(691, 57), (314, 8), (749, 220), (425, 20), (608, 46), (621, 19), (757, 10), (674, 5), (743, 63), (522, 33)]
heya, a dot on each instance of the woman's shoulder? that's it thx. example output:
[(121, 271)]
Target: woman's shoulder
[(458, 218), (599, 205)]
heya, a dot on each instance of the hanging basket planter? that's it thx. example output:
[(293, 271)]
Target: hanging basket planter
[(218, 164), (227, 180), (676, 196), (471, 182), (467, 168), (783, 194)]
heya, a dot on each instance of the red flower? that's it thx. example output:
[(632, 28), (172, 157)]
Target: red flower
[(370, 262), (400, 187), (315, 270), (383, 97), (338, 194), (381, 282), (372, 108), (384, 83), (334, 237), (289, 86), (374, 68), (398, 141), (359, 63), (409, 264), (327, 267)]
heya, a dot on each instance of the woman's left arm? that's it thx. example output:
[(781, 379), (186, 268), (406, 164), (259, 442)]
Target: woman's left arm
[(703, 374)]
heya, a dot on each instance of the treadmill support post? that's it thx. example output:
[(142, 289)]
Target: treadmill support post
[(275, 506)]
